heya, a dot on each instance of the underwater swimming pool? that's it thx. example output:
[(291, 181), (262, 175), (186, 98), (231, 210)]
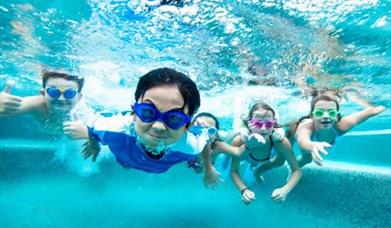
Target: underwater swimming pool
[(39, 190), (113, 42)]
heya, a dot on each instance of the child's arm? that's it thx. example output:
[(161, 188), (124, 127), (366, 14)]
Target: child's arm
[(304, 132), (247, 194), (11, 105), (350, 121), (75, 130), (211, 177), (78, 130), (232, 151), (284, 148)]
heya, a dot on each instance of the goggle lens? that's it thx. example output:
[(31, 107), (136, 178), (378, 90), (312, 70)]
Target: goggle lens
[(319, 113), (148, 113), (259, 123), (55, 92)]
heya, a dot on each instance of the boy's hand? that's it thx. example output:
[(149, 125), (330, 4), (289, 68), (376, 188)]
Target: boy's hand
[(91, 148), (75, 130), (9, 103)]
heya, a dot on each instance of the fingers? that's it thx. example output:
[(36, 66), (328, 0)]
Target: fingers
[(278, 198), (94, 155), (278, 195), (245, 138), (213, 180), (248, 196), (321, 149), (9, 85), (10, 103), (316, 157), (210, 185), (259, 138), (325, 144), (260, 179)]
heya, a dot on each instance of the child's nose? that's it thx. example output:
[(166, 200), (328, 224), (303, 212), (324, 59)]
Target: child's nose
[(159, 125), (61, 97)]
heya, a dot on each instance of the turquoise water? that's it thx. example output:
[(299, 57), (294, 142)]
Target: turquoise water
[(112, 43)]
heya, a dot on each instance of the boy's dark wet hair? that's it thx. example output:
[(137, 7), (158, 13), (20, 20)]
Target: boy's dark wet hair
[(52, 74), (210, 115), (170, 77)]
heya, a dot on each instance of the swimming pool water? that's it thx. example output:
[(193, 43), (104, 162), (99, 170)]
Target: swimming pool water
[(112, 43)]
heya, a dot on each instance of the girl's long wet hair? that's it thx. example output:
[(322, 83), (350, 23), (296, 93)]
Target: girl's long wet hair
[(321, 97), (255, 107)]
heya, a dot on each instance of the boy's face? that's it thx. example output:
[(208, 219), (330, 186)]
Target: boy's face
[(165, 98), (67, 98)]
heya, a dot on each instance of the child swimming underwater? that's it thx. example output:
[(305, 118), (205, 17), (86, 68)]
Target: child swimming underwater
[(154, 136), (60, 94), (323, 125), (261, 122), (205, 121)]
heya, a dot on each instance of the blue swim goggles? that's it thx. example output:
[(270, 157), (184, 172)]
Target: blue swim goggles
[(197, 130), (55, 92), (149, 113)]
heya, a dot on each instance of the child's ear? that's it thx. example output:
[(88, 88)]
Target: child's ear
[(42, 92)]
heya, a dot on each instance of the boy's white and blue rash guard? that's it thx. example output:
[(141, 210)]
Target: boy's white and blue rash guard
[(117, 131)]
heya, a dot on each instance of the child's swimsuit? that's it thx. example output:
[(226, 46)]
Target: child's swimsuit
[(251, 163), (117, 131), (255, 161), (315, 138)]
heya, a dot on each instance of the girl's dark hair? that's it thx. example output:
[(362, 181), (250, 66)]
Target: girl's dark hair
[(170, 77), (255, 107), (210, 115), (294, 125)]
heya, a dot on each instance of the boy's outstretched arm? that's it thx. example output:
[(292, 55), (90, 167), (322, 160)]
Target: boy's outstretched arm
[(11, 105), (78, 130), (75, 130)]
